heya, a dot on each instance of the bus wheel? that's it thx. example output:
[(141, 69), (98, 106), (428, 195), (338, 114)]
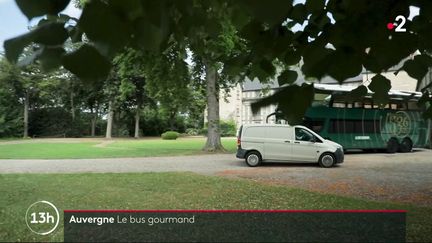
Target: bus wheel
[(253, 159), (392, 145), (327, 160), (406, 145)]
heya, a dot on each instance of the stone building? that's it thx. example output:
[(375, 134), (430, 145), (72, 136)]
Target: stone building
[(237, 105)]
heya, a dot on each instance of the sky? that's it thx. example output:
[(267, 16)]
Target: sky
[(14, 23)]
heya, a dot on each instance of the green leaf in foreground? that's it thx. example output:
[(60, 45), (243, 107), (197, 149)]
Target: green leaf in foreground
[(50, 58), (292, 101), (50, 34), (287, 77), (87, 63), (357, 93), (380, 85), (105, 25), (47, 34), (418, 67), (15, 46), (32, 8)]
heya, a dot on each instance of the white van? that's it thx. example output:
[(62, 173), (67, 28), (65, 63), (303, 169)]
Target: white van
[(283, 143)]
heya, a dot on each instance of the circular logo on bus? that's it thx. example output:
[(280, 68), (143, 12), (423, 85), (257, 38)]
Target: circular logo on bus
[(398, 123)]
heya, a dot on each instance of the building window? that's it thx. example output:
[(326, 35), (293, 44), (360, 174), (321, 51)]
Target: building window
[(256, 116)]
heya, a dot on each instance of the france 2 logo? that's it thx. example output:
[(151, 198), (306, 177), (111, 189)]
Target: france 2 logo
[(398, 24)]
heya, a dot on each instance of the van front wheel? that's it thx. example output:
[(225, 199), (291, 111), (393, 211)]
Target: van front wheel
[(327, 160), (253, 159)]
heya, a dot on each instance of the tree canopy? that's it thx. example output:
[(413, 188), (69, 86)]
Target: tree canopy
[(339, 38)]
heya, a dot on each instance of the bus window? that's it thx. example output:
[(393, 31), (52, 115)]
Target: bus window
[(358, 127), (338, 105), (315, 126), (377, 126), (358, 104), (369, 126), (387, 106), (401, 106), (367, 105), (349, 126), (349, 105), (412, 105), (335, 126), (393, 106), (354, 126)]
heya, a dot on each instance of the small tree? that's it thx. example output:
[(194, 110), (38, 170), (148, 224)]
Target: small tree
[(131, 71), (24, 83), (169, 83)]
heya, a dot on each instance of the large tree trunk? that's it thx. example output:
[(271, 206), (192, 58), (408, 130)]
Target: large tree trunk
[(137, 120), (93, 121), (172, 118), (93, 127), (26, 114), (72, 105), (109, 120), (213, 134)]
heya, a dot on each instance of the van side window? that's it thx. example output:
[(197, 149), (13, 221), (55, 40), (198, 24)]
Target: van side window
[(303, 135)]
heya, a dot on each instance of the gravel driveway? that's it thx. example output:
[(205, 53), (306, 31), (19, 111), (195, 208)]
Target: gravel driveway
[(400, 177), (203, 164)]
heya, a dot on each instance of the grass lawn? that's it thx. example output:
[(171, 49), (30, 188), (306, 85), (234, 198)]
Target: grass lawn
[(115, 149), (168, 191)]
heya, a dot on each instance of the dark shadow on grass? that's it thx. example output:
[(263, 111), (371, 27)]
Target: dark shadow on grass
[(288, 164), (292, 165), (269, 164)]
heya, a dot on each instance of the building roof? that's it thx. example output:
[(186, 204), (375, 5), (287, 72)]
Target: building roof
[(253, 85), (347, 88)]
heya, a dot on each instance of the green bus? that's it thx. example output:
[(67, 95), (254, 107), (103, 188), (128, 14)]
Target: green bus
[(361, 124)]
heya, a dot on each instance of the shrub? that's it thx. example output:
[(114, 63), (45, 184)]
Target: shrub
[(204, 131), (170, 135), (228, 128), (192, 131)]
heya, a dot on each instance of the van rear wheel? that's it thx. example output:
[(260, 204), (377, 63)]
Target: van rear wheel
[(327, 160), (253, 159)]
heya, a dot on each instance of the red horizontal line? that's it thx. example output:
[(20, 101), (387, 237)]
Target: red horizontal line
[(230, 211)]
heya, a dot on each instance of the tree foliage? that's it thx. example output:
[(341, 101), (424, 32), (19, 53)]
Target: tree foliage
[(169, 82), (340, 37)]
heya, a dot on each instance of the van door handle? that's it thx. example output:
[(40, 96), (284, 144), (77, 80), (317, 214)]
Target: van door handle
[(296, 142), (287, 141)]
